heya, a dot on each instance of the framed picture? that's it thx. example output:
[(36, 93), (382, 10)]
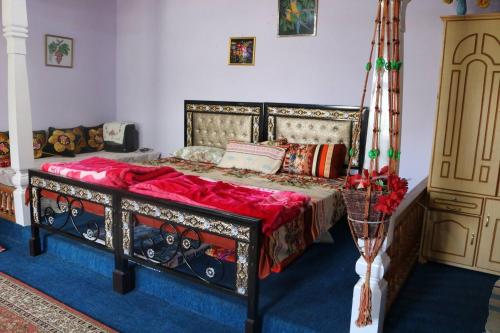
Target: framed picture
[(58, 51), (242, 51), (297, 17)]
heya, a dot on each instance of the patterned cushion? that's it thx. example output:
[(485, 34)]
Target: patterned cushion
[(323, 160), (260, 158), (4, 150), (201, 154), (64, 142), (93, 137), (39, 142), (275, 143)]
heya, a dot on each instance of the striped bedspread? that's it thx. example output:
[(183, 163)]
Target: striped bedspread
[(493, 323)]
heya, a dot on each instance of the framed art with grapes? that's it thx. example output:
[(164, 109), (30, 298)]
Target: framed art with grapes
[(59, 51)]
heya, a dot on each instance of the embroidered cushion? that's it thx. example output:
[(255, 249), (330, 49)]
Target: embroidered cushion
[(94, 140), (39, 142), (201, 154), (260, 158), (64, 142), (4, 150), (275, 143), (323, 160)]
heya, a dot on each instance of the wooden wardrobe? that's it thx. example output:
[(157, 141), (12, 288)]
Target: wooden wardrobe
[(462, 226)]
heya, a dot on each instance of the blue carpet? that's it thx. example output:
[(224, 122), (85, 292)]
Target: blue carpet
[(313, 295)]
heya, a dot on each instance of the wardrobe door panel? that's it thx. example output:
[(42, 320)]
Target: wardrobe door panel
[(468, 129), (489, 249)]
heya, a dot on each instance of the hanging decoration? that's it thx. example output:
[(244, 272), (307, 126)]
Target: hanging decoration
[(462, 5), (372, 196)]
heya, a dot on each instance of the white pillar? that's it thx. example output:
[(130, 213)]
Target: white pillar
[(382, 261), (378, 286), (15, 31)]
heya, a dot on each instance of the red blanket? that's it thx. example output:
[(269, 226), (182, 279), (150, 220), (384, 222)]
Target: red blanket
[(107, 172), (275, 208)]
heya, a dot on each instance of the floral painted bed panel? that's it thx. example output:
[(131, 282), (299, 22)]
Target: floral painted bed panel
[(291, 239)]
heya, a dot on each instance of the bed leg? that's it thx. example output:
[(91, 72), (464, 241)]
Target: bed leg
[(35, 243), (253, 323), (123, 276)]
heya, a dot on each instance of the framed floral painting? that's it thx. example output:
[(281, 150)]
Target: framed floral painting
[(297, 17), (58, 51), (242, 51)]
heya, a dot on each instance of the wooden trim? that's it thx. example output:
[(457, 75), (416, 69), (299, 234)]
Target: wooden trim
[(472, 17), (405, 247)]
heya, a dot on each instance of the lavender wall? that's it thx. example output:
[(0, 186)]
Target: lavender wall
[(186, 43), (84, 95)]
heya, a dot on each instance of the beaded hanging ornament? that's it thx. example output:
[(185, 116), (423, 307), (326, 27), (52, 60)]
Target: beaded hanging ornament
[(373, 195)]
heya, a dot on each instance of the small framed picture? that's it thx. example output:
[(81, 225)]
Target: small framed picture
[(297, 17), (59, 51), (242, 51)]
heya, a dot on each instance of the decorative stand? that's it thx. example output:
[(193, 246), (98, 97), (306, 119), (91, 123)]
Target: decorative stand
[(372, 196)]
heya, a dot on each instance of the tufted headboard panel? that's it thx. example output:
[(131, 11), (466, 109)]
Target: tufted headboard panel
[(209, 123), (301, 123)]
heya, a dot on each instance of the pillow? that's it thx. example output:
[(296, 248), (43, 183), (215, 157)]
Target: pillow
[(4, 150), (323, 160), (64, 142), (260, 158), (275, 143), (39, 141), (93, 137), (201, 154)]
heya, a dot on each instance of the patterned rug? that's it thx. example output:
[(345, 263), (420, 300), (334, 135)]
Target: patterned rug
[(27, 310), (493, 323)]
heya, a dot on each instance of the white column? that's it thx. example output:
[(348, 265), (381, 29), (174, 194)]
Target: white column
[(378, 286), (15, 31), (382, 261)]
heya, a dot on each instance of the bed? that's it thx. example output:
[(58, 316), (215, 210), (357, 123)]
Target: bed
[(222, 250)]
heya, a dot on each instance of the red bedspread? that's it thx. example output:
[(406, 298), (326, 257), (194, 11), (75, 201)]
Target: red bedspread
[(275, 208), (106, 172)]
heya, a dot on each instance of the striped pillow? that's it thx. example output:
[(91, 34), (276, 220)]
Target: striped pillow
[(328, 160), (260, 158), (323, 160)]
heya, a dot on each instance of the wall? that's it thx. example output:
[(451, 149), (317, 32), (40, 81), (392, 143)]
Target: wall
[(85, 94), (169, 51)]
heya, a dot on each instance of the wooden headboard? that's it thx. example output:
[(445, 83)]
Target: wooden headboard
[(213, 123), (307, 123)]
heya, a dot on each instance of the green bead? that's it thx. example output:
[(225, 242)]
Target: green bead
[(398, 155), (396, 65), (368, 66), (352, 152), (390, 152), (380, 63), (373, 154)]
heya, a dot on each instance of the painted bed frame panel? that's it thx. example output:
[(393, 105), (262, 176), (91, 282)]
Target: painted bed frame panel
[(120, 207), (312, 116), (250, 117)]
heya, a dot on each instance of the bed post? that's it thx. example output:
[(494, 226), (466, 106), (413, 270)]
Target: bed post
[(35, 212), (123, 275), (253, 323), (15, 31)]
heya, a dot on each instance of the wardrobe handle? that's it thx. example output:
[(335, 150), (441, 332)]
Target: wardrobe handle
[(453, 209), (487, 221), (472, 239)]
